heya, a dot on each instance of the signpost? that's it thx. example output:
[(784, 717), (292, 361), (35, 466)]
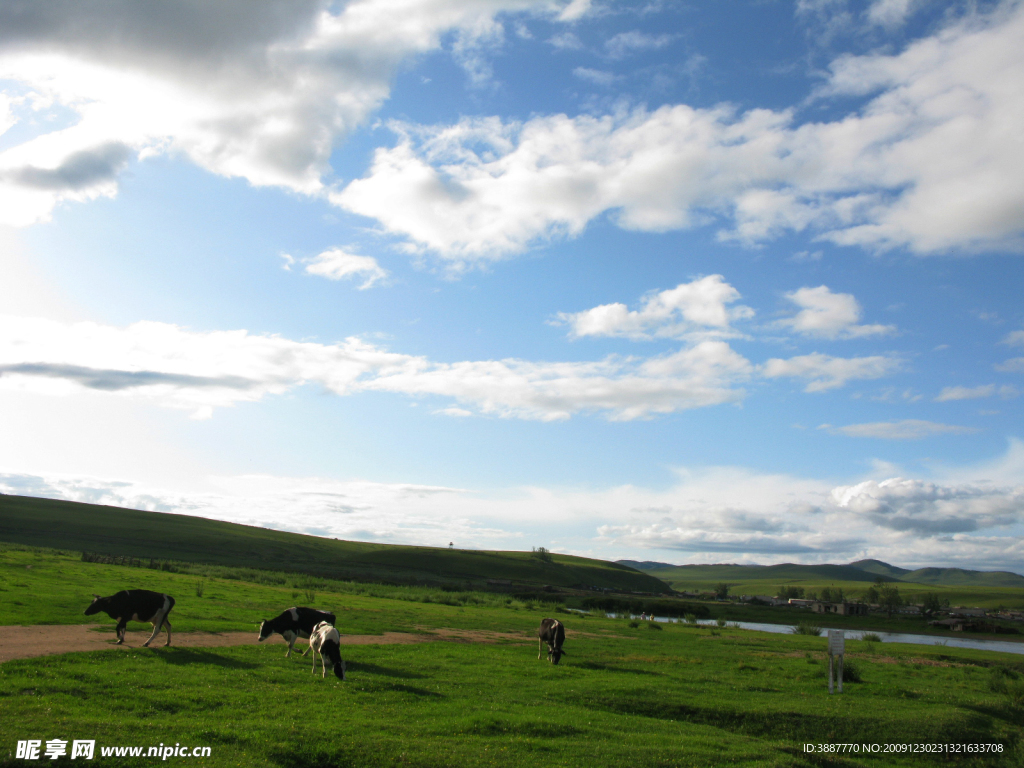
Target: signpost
[(836, 648)]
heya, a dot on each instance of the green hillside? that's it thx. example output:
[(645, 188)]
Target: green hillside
[(129, 532), (958, 577), (881, 569)]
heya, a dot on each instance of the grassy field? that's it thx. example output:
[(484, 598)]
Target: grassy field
[(116, 531), (676, 696)]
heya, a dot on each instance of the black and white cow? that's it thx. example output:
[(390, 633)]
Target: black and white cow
[(552, 632), (293, 624), (326, 640), (135, 605)]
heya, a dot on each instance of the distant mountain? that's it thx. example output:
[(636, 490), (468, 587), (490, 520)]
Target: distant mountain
[(880, 568)]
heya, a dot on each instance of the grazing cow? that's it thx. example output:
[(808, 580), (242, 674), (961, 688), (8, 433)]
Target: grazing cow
[(552, 632), (326, 640), (293, 624), (135, 605)]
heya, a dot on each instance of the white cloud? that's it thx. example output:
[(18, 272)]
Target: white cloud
[(825, 372), (931, 162), (259, 90), (205, 370), (337, 264), (971, 393), (1014, 338), (829, 315), (965, 393), (596, 76), (698, 307), (1013, 365), (908, 429), (626, 43), (891, 13)]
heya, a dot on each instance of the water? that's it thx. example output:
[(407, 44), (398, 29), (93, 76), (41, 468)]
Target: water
[(1003, 646)]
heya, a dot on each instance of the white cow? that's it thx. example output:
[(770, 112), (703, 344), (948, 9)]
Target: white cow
[(326, 641)]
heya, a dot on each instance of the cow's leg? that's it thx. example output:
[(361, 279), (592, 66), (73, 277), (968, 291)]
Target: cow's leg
[(290, 638), (540, 647), (122, 624), (168, 625), (157, 622), (313, 670)]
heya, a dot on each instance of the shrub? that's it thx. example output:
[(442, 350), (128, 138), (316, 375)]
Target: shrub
[(851, 672), (871, 637), (653, 625), (721, 622), (634, 624), (690, 618), (200, 586), (806, 628)]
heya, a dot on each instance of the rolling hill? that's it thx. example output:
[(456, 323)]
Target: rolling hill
[(129, 532)]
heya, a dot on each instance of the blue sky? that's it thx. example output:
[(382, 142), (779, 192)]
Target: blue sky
[(734, 283)]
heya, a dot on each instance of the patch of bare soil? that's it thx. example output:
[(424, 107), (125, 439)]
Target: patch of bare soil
[(49, 639)]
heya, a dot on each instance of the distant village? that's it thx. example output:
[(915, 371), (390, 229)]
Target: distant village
[(883, 597)]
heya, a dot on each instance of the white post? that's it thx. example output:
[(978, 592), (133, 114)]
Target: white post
[(836, 647)]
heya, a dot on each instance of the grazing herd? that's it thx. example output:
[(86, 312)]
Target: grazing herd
[(144, 605)]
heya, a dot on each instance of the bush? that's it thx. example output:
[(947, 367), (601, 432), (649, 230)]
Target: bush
[(634, 624), (721, 622), (871, 637), (806, 628), (851, 672), (653, 625), (200, 586), (690, 618)]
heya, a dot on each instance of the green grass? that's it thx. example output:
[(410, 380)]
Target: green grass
[(116, 531), (682, 696)]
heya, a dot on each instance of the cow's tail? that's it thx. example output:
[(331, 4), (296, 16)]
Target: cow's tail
[(332, 651)]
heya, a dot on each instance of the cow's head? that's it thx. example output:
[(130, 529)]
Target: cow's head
[(265, 631), (339, 670), (98, 604), (555, 655)]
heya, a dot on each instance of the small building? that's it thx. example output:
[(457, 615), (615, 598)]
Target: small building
[(800, 602), (842, 609), (961, 610)]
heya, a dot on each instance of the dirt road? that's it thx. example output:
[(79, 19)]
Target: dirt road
[(50, 639)]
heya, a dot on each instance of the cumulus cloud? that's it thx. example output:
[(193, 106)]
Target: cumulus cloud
[(928, 509), (260, 90), (829, 315), (700, 306), (338, 264), (825, 372), (930, 163), (204, 370), (908, 429)]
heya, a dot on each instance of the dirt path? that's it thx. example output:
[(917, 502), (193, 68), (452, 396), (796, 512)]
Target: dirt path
[(49, 639)]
